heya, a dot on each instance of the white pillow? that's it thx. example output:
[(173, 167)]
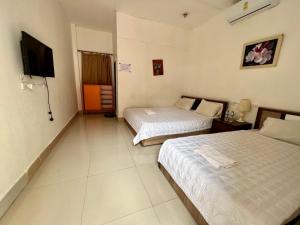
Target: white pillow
[(285, 130), (219, 114), (207, 108), (292, 117), (185, 103)]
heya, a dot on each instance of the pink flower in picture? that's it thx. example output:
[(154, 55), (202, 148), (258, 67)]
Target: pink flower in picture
[(260, 54)]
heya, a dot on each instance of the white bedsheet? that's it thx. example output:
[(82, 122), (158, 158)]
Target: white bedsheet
[(165, 121), (263, 189)]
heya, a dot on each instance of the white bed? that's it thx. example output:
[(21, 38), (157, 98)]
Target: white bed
[(263, 189), (165, 121)]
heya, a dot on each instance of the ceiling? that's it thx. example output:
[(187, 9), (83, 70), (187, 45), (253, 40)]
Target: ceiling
[(99, 14)]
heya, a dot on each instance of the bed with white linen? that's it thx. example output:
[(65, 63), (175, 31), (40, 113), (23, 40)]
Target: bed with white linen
[(165, 122), (262, 189)]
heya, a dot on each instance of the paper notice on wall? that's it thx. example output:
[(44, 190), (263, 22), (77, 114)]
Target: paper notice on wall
[(125, 67)]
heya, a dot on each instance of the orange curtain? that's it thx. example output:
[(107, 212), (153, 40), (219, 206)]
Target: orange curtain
[(96, 69)]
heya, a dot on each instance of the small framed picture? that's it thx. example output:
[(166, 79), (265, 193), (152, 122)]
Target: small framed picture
[(158, 67), (262, 53)]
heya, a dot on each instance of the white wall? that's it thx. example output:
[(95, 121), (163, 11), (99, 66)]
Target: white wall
[(88, 40), (115, 57), (25, 130), (94, 40), (216, 49), (140, 41)]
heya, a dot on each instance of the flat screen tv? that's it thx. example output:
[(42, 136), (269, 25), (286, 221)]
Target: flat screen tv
[(37, 57)]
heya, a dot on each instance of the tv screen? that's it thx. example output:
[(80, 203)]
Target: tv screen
[(37, 57)]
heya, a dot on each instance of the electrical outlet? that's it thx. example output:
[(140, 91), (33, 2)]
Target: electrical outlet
[(30, 86), (22, 86)]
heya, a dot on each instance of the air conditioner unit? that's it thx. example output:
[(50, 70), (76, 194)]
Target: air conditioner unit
[(246, 8)]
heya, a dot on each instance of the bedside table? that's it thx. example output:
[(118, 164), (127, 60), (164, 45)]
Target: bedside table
[(219, 125)]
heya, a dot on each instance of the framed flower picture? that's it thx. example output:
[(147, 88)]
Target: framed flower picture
[(262, 53), (158, 67)]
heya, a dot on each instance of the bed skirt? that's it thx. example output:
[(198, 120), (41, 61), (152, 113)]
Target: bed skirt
[(161, 139)]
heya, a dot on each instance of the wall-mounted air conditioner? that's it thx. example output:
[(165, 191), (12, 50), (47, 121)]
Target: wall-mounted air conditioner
[(245, 8)]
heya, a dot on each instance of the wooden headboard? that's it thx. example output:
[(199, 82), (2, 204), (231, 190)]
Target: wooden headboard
[(198, 100), (263, 113)]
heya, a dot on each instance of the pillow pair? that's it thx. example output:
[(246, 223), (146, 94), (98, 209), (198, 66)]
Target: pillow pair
[(205, 108), (285, 130), (185, 103)]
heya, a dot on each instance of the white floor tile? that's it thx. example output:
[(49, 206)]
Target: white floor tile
[(96, 176), (63, 164), (144, 155), (113, 196), (145, 217), (156, 184), (50, 205), (110, 159), (105, 141), (173, 213)]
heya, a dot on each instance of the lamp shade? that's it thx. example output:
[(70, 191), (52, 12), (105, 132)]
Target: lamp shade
[(245, 105)]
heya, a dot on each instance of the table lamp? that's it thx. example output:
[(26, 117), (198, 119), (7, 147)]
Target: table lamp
[(244, 106)]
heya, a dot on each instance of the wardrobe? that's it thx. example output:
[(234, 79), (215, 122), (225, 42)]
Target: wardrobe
[(98, 98), (98, 82)]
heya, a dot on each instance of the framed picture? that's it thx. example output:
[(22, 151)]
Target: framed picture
[(262, 53), (158, 67)]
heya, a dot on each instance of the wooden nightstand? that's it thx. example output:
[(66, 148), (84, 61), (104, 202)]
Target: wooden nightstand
[(219, 125)]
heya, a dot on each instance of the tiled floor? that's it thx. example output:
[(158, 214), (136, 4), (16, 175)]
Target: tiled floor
[(96, 176)]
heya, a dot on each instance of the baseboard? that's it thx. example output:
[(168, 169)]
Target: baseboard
[(43, 156), (15, 190), (121, 119), (13, 193)]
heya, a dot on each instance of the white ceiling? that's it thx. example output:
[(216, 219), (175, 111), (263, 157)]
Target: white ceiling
[(99, 14)]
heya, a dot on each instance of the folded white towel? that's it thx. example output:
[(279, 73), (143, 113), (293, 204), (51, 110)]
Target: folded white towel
[(149, 112), (215, 158)]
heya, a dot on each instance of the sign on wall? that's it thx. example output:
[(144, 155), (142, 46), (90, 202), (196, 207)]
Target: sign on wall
[(125, 67)]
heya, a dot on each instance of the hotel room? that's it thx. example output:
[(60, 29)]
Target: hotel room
[(138, 112)]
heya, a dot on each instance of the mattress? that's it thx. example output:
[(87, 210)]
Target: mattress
[(164, 121), (263, 189)]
